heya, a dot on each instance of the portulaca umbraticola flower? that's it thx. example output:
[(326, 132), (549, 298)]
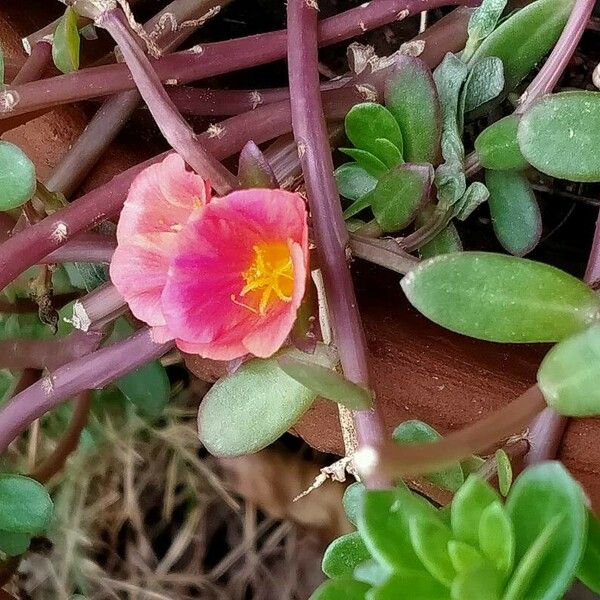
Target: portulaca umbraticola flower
[(224, 277)]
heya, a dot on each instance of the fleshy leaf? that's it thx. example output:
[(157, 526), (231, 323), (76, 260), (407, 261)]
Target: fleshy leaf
[(430, 540), (254, 171), (344, 554), (399, 194), (485, 82), (388, 152), (515, 211), (383, 524), (411, 96), (588, 570), (25, 506), (14, 544), (560, 135), (369, 121), (500, 298), (326, 382), (410, 586), (148, 387), (369, 162), (505, 473), (497, 538), (483, 22), (483, 583), (468, 505), (475, 195), (249, 409), (411, 432), (497, 146), (464, 557), (352, 501), (342, 588), (371, 572), (547, 508), (17, 177), (353, 182), (569, 375), (358, 206), (66, 43), (525, 38)]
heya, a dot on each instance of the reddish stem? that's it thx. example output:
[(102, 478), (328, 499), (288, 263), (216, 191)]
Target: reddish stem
[(210, 59), (331, 235), (36, 63), (93, 371)]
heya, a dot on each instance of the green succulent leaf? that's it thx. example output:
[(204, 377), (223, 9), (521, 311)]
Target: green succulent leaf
[(410, 586), (468, 505), (17, 177), (148, 387), (588, 570), (352, 500), (482, 23), (14, 544), (367, 122), (547, 509), (497, 146), (500, 298), (384, 526), (569, 375), (497, 538), (344, 554), (560, 134), (464, 557), (25, 506), (411, 432), (430, 540), (326, 382), (353, 182), (475, 195), (484, 83), (522, 40), (482, 583), (358, 206), (66, 42), (505, 473), (369, 162), (342, 588), (371, 572), (246, 411), (515, 211), (411, 96), (399, 194), (387, 152)]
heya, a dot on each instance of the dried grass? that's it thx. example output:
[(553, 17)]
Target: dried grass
[(145, 517)]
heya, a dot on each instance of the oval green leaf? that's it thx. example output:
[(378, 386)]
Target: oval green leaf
[(569, 375), (371, 572), (546, 496), (482, 583), (588, 570), (66, 43), (246, 411), (353, 182), (497, 146), (410, 586), (515, 212), (430, 540), (484, 83), (414, 432), (399, 194), (343, 588), (525, 38), (352, 500), (369, 121), (500, 298), (560, 135), (497, 538), (369, 162), (25, 506), (343, 555), (14, 544), (411, 96), (464, 557), (17, 177), (505, 472), (326, 382)]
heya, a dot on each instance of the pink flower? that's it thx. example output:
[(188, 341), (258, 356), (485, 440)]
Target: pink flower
[(224, 280)]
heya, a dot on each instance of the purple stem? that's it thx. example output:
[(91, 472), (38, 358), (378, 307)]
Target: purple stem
[(31, 245), (86, 247), (102, 305), (93, 371), (559, 58), (331, 235), (209, 59), (592, 272), (36, 63), (19, 353), (176, 131)]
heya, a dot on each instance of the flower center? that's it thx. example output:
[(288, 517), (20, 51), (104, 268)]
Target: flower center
[(271, 274)]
